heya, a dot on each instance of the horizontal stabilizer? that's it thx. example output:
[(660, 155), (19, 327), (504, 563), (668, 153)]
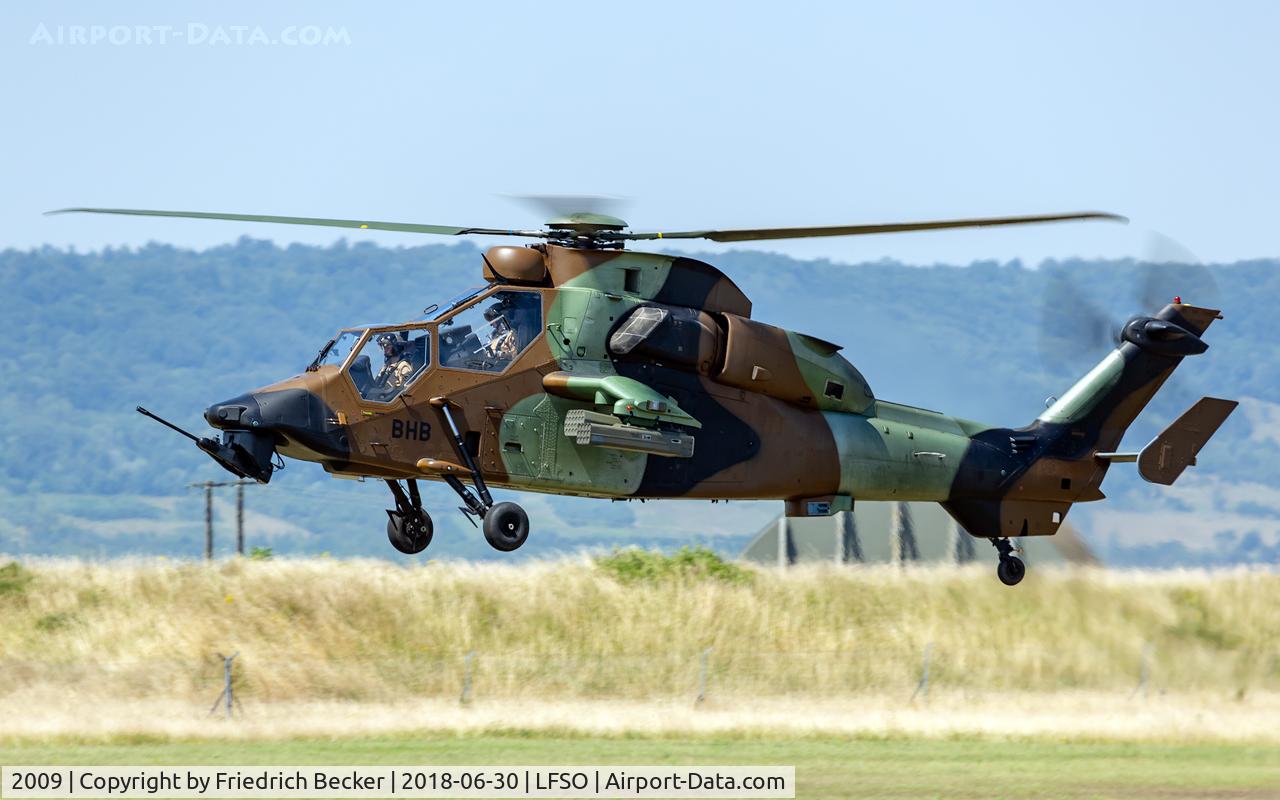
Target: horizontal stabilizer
[(1175, 449)]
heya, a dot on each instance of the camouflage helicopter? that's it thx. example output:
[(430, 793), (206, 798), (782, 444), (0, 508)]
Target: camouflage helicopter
[(583, 368)]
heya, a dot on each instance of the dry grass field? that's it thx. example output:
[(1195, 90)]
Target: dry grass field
[(369, 647), (1033, 692)]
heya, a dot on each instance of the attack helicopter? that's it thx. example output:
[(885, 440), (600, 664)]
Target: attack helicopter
[(583, 368)]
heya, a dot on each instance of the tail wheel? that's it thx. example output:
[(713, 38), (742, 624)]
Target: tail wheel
[(506, 526), (409, 533)]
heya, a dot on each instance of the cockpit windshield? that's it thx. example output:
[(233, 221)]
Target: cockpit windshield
[(336, 350)]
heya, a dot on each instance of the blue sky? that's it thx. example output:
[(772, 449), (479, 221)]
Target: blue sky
[(705, 115)]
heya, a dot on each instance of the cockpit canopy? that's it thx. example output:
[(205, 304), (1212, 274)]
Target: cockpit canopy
[(483, 330), (489, 335), (389, 361), (386, 358)]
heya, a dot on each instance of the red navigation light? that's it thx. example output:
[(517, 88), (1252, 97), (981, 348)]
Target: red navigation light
[(1177, 299)]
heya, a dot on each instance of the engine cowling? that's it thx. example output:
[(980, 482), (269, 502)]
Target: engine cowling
[(791, 366), (736, 351)]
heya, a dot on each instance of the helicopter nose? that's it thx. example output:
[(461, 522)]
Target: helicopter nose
[(281, 410), (291, 417), (255, 424), (238, 412)]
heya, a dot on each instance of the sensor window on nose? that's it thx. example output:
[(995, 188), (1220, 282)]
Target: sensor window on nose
[(231, 413)]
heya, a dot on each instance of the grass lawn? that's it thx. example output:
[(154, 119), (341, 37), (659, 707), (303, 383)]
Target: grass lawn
[(826, 767)]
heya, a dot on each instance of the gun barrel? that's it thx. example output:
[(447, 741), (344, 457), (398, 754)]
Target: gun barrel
[(168, 424)]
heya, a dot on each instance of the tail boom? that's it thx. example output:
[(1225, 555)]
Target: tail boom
[(1022, 482)]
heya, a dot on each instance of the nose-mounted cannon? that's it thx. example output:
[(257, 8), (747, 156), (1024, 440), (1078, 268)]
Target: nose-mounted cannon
[(245, 453), (254, 425)]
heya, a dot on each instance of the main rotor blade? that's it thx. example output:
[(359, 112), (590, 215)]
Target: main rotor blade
[(753, 234), (403, 227)]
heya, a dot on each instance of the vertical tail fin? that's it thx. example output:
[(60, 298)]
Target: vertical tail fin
[(1101, 406)]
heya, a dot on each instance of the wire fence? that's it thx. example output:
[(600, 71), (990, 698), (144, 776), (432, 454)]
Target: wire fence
[(697, 676)]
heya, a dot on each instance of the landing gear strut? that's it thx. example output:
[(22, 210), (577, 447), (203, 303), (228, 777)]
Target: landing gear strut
[(1011, 568), (409, 527), (505, 525)]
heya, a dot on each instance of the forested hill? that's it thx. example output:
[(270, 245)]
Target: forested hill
[(92, 335)]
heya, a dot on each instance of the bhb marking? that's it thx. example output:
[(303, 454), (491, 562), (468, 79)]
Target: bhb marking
[(410, 429)]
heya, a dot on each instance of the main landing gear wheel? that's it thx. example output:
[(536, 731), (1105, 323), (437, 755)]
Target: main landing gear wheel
[(1011, 569), (506, 526), (409, 533), (408, 526)]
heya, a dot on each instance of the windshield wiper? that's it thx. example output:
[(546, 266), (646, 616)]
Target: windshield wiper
[(324, 351)]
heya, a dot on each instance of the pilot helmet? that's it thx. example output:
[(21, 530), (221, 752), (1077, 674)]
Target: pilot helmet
[(494, 311), (390, 340)]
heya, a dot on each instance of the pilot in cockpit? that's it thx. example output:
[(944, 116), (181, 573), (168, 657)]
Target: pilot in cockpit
[(502, 342), (398, 366)]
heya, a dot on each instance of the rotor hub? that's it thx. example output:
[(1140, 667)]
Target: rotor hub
[(585, 228)]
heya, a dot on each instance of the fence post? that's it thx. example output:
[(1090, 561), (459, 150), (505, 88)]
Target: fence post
[(784, 541), (227, 693), (922, 688), (240, 517), (466, 677), (702, 676), (1144, 671), (208, 520)]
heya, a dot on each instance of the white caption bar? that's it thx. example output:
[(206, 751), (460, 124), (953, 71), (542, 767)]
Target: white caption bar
[(408, 782)]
